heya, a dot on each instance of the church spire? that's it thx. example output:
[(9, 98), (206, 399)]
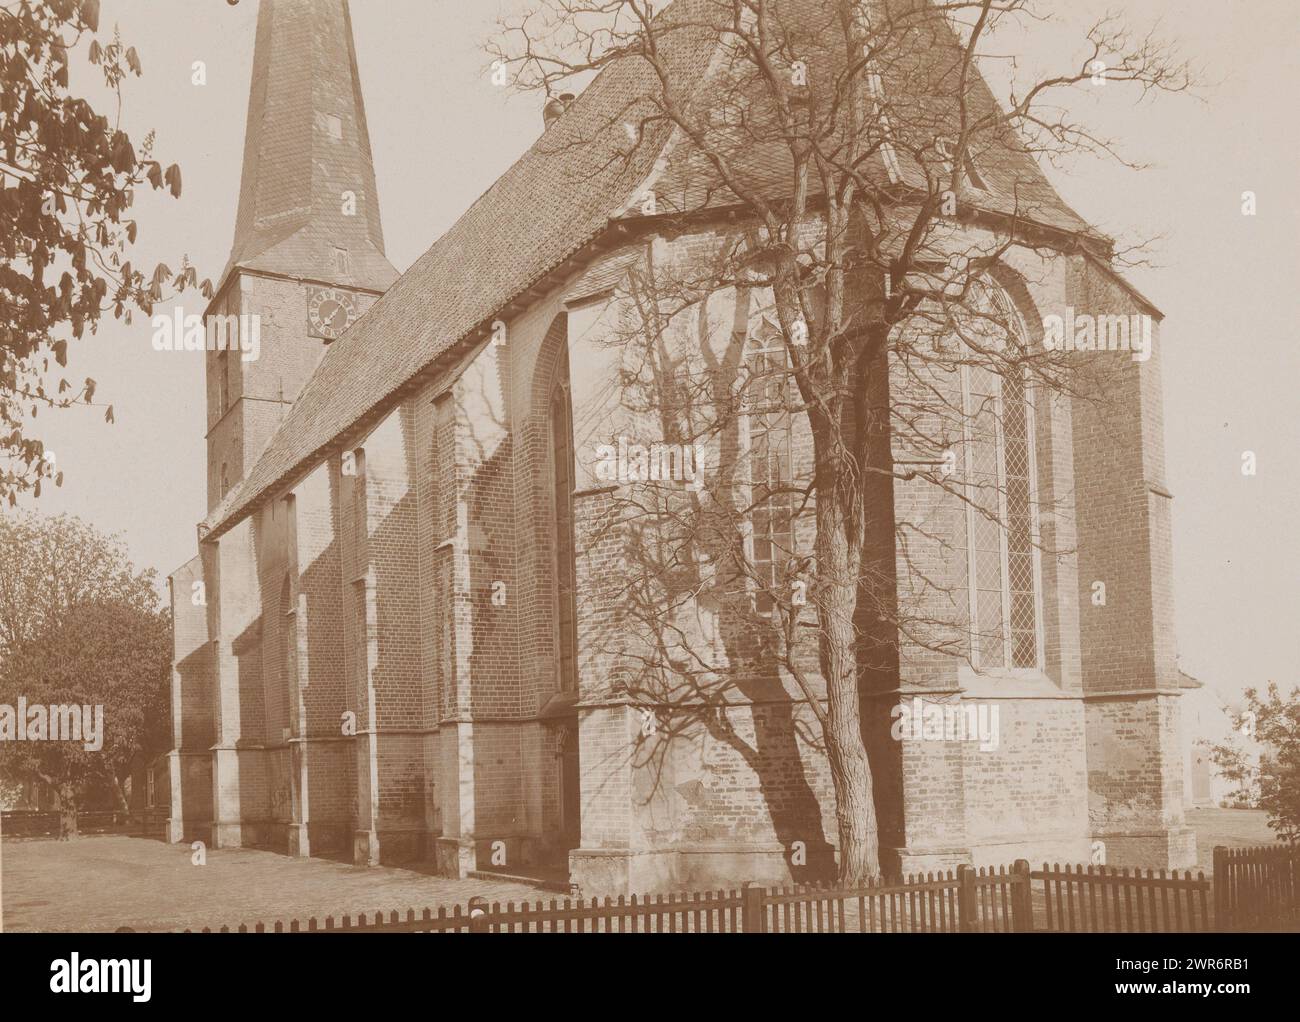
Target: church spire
[(308, 206)]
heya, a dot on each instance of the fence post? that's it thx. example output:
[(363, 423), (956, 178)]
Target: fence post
[(751, 910), (966, 899), (1022, 903), (1222, 903)]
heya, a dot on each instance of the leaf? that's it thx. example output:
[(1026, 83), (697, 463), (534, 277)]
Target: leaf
[(133, 61), (123, 156), (108, 414), (60, 352), (90, 14), (173, 178), (96, 51), (155, 173)]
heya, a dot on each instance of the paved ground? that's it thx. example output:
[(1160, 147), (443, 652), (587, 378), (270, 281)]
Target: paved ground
[(103, 882)]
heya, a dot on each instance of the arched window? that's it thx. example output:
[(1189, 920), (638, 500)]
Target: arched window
[(289, 653), (223, 382), (770, 471), (560, 428), (1003, 572)]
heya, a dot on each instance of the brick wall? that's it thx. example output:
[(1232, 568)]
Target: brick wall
[(391, 572), (259, 391), (1128, 657)]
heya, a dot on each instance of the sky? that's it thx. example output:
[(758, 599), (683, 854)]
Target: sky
[(441, 133)]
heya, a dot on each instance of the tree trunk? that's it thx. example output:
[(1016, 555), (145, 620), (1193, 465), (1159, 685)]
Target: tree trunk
[(67, 796), (855, 808)]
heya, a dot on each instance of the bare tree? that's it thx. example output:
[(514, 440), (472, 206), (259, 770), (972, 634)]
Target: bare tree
[(847, 328)]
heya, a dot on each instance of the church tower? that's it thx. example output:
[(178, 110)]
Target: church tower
[(308, 253)]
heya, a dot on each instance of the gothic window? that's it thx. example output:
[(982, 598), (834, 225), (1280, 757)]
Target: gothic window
[(354, 472), (444, 528), (770, 436), (444, 466), (560, 417), (570, 784), (1002, 560), (342, 261), (446, 613), (223, 381), (356, 468), (289, 681), (361, 632)]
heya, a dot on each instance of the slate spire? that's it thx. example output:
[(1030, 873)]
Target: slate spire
[(307, 154)]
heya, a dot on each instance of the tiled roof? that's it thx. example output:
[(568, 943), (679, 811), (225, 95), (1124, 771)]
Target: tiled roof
[(920, 83), (558, 197), (917, 86)]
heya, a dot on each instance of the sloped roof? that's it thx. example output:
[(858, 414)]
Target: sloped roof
[(297, 167), (916, 86), (920, 84), (557, 198)]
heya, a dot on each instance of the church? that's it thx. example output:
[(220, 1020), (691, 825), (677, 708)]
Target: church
[(397, 640)]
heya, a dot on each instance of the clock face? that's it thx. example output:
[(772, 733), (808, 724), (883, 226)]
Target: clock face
[(331, 312)]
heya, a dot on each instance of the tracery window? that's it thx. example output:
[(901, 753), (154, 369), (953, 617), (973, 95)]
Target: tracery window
[(772, 504), (1003, 571), (560, 417)]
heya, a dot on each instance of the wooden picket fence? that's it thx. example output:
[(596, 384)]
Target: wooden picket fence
[(1096, 899), (1253, 888), (1257, 888), (965, 900)]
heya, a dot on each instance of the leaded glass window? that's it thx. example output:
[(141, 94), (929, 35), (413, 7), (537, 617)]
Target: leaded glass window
[(1002, 559)]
